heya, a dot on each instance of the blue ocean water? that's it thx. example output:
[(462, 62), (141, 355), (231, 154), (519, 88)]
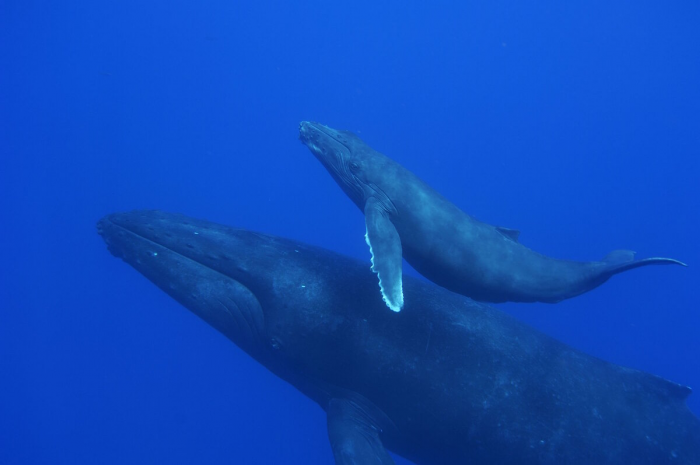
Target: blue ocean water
[(576, 122)]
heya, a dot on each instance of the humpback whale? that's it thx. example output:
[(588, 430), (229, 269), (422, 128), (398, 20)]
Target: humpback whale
[(406, 217), (454, 381)]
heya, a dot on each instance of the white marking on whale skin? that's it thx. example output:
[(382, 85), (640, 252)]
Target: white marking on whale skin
[(397, 292)]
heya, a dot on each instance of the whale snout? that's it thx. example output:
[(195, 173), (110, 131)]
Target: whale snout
[(304, 127), (310, 132), (315, 138), (303, 130)]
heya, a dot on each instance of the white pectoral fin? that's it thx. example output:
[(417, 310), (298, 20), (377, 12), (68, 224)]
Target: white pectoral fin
[(385, 246)]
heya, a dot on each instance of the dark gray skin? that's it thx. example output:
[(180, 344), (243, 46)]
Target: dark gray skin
[(407, 217), (449, 382)]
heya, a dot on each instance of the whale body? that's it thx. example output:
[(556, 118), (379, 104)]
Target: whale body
[(452, 381), (406, 218)]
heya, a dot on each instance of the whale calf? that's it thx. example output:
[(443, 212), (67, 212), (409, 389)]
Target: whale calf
[(453, 382), (406, 217)]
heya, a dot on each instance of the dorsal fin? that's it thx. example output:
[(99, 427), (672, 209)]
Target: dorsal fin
[(676, 390), (617, 257), (511, 234), (660, 386)]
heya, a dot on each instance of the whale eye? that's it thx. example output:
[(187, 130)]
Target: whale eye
[(354, 167)]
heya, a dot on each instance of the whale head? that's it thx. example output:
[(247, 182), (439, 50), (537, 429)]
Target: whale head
[(266, 294), (354, 165), (295, 308)]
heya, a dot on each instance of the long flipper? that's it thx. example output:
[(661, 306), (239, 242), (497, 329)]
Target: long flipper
[(385, 246), (354, 437)]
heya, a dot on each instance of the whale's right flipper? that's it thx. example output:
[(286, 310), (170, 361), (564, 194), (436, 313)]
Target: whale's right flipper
[(385, 246), (353, 435)]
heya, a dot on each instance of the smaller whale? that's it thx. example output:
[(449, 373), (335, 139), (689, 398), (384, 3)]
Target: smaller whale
[(406, 218)]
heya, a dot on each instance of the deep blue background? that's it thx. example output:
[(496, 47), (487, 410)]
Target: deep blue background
[(576, 122)]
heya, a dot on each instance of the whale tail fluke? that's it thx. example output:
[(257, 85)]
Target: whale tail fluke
[(623, 260)]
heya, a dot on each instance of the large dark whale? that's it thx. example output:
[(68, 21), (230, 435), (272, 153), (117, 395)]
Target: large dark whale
[(453, 382), (405, 216)]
